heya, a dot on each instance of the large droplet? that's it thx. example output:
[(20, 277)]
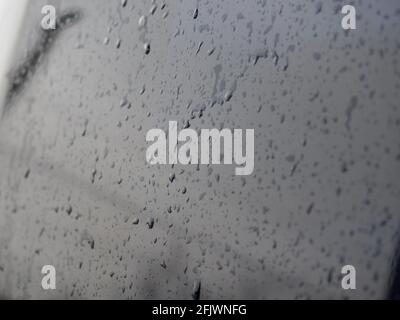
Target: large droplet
[(142, 21), (146, 48), (196, 290), (195, 13)]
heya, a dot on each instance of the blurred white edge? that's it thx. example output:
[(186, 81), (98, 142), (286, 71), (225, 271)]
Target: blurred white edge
[(12, 13)]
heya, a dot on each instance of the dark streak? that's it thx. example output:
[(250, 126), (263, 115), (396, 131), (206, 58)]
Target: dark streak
[(23, 73)]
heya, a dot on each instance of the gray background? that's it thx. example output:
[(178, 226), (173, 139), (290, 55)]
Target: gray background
[(325, 191)]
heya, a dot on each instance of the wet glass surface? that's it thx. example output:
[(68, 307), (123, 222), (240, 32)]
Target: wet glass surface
[(76, 191)]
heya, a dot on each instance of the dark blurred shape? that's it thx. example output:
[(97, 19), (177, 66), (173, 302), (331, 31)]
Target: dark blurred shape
[(394, 289), (20, 75)]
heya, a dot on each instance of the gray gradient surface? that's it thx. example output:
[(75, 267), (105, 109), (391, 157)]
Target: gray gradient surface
[(76, 191)]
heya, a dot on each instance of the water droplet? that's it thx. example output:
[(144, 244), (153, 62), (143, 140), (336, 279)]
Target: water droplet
[(146, 48), (195, 13), (124, 103), (142, 21), (150, 223), (196, 290), (228, 96), (153, 9)]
